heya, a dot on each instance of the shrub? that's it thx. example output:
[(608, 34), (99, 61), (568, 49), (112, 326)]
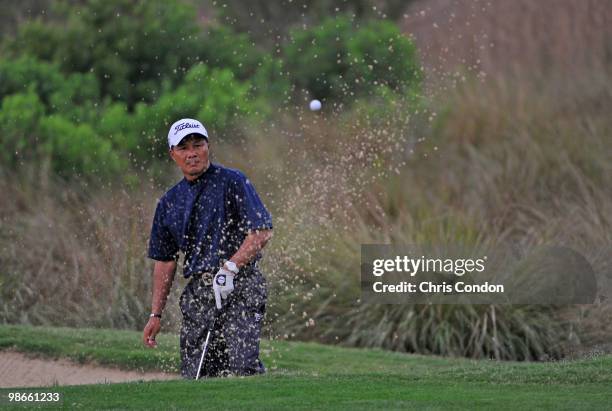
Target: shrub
[(340, 59), (83, 136), (73, 149), (130, 47), (77, 98), (382, 56), (20, 115), (221, 47), (74, 95), (115, 125), (76, 150), (25, 72)]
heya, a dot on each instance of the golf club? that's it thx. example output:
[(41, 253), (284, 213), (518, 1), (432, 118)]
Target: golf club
[(204, 349)]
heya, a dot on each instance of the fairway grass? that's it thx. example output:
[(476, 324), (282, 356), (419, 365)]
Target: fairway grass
[(314, 376)]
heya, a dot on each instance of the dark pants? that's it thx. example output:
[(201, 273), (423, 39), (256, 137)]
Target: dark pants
[(233, 348)]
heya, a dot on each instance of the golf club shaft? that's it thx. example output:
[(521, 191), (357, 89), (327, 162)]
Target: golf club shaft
[(203, 353), (205, 348)]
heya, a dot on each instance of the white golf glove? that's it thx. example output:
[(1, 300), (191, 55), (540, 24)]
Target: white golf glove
[(223, 285)]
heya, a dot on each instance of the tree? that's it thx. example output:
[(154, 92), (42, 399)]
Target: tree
[(132, 48)]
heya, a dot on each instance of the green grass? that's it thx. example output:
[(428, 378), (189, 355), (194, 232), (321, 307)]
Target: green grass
[(314, 376)]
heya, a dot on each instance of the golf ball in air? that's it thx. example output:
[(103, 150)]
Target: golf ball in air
[(315, 105)]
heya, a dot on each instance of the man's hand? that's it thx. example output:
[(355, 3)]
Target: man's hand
[(163, 274), (223, 285), (150, 331)]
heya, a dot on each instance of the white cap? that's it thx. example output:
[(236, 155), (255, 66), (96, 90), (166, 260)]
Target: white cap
[(182, 128)]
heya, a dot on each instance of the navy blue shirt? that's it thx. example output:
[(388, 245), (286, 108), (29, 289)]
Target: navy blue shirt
[(207, 219)]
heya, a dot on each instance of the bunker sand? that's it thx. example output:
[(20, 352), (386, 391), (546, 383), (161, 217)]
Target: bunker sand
[(18, 370)]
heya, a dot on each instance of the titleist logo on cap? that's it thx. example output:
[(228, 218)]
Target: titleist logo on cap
[(183, 126)]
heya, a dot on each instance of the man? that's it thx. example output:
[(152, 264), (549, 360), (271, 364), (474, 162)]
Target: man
[(216, 218)]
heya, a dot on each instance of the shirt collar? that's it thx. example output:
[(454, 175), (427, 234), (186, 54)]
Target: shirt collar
[(201, 177)]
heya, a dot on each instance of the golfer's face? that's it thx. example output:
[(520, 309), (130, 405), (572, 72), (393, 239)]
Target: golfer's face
[(191, 155)]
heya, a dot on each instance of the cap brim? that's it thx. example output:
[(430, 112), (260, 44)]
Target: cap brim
[(204, 136)]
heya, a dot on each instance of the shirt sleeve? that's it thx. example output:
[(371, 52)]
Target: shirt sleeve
[(251, 212), (162, 245)]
